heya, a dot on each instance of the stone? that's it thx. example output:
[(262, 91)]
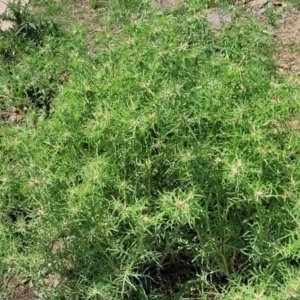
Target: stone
[(218, 18), (165, 4), (258, 3)]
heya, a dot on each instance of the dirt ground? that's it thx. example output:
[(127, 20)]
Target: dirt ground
[(16, 288), (288, 36)]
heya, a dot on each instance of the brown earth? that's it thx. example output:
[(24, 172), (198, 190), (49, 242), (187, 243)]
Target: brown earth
[(286, 31), (17, 288), (288, 36)]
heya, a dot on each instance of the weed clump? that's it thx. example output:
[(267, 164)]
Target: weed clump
[(25, 31), (32, 63), (167, 169)]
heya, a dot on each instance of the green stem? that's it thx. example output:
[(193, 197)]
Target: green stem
[(169, 246), (217, 248), (111, 263), (259, 213)]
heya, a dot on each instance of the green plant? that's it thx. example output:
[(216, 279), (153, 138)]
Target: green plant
[(96, 4), (272, 15), (294, 47), (295, 3), (168, 167), (26, 33), (34, 70)]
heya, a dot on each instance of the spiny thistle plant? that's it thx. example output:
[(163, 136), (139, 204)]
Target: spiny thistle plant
[(168, 168)]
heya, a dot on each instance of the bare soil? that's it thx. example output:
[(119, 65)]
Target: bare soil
[(286, 31), (17, 288), (288, 36), (11, 115)]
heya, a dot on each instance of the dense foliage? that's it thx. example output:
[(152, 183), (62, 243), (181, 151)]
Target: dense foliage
[(164, 164)]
